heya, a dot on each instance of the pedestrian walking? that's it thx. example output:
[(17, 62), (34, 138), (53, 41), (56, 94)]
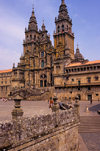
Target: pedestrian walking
[(51, 102), (91, 101)]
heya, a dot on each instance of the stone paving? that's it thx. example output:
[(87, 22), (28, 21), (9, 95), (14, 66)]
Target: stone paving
[(82, 145), (91, 140)]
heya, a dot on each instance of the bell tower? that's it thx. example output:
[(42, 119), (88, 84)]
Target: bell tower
[(63, 36)]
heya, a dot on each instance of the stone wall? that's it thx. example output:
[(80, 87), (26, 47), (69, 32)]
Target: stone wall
[(53, 132)]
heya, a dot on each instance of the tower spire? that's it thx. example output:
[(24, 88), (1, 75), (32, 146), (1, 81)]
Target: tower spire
[(63, 33), (32, 21), (63, 12), (43, 26)]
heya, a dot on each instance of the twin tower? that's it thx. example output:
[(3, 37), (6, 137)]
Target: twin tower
[(42, 63)]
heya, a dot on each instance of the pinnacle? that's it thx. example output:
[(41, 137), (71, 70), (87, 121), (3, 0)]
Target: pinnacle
[(43, 23), (63, 2), (77, 48), (32, 21), (43, 26), (33, 11)]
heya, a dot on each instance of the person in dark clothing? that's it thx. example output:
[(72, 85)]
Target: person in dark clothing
[(91, 101)]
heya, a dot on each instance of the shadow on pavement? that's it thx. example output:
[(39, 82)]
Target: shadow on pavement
[(95, 108)]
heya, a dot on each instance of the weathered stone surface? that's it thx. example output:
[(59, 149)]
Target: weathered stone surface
[(52, 132)]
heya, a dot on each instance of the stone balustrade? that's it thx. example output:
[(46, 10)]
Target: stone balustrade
[(18, 133)]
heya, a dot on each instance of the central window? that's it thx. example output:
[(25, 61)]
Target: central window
[(42, 63), (42, 54), (43, 80)]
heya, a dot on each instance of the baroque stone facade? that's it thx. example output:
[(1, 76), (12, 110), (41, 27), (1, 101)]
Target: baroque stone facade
[(54, 69), (36, 67)]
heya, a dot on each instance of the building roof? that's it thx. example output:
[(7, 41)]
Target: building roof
[(84, 63), (5, 71)]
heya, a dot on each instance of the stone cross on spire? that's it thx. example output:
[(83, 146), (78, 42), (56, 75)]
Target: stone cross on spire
[(33, 4), (33, 8), (77, 45), (33, 12)]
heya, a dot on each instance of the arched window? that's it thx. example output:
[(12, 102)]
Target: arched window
[(34, 37), (67, 27), (58, 29), (27, 37), (62, 27), (27, 51), (45, 83), (43, 80), (43, 76), (30, 37), (42, 63), (42, 35), (79, 96), (41, 83), (42, 54)]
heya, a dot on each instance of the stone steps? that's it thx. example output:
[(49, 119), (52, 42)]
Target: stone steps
[(89, 124)]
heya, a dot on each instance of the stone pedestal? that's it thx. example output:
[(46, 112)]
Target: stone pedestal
[(17, 111), (76, 105), (55, 107)]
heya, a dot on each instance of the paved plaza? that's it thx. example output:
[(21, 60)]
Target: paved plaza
[(88, 141), (30, 108)]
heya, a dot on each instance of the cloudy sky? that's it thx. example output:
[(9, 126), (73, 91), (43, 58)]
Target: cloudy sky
[(15, 14)]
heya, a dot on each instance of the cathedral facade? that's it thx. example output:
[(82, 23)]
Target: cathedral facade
[(55, 69), (36, 66)]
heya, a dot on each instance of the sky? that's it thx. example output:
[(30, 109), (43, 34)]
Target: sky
[(15, 14)]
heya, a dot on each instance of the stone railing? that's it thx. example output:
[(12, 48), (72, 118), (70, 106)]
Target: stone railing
[(24, 130)]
